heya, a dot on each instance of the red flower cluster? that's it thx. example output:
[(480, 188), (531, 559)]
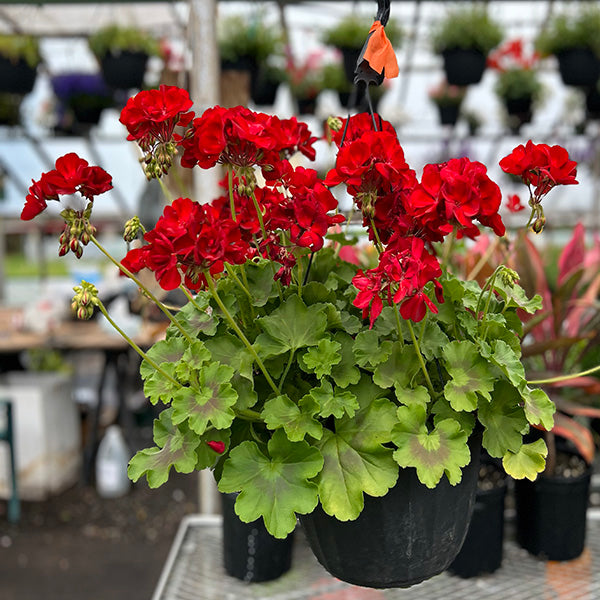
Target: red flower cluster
[(241, 137), (540, 166), (189, 239), (512, 55), (152, 115), (71, 174)]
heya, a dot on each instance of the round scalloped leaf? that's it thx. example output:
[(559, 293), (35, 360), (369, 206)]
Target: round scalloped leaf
[(275, 486), (283, 412), (158, 387), (345, 372), (321, 358), (539, 409), (369, 351), (165, 351), (527, 462)]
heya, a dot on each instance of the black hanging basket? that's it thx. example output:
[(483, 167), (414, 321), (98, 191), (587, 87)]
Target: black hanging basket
[(307, 106), (520, 112), (409, 535), (350, 58), (578, 67), (448, 113), (125, 70), (263, 89), (592, 110), (16, 77), (551, 515), (482, 551), (463, 66), (250, 552)]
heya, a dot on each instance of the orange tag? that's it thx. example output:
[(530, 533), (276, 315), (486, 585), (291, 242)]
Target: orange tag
[(379, 53)]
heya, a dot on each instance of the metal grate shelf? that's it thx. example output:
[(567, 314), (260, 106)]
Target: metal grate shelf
[(194, 572)]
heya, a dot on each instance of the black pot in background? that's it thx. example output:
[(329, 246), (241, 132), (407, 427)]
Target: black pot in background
[(578, 67), (409, 535), (124, 70), (482, 550), (16, 77), (519, 112), (350, 57), (463, 66), (448, 113), (551, 515), (592, 110), (307, 106), (250, 552), (263, 89)]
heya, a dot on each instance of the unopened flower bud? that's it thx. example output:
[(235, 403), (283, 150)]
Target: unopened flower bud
[(84, 238), (132, 228), (538, 224), (79, 251), (63, 250), (334, 123), (83, 313), (509, 277)]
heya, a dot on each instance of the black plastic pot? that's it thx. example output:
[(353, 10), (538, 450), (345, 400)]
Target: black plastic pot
[(463, 66), (124, 70), (592, 109), (250, 552), (307, 106), (409, 535), (263, 89), (578, 67), (350, 58), (448, 113), (551, 515), (482, 550), (519, 112), (16, 77)]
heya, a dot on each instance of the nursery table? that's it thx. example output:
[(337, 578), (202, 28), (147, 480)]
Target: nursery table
[(194, 570)]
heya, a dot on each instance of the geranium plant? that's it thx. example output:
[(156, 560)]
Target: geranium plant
[(297, 377)]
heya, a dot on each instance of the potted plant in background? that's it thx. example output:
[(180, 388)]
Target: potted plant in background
[(306, 82), (448, 99), (348, 36), (19, 59), (10, 109), (357, 399), (575, 41), (518, 85), (464, 38), (80, 100), (123, 54)]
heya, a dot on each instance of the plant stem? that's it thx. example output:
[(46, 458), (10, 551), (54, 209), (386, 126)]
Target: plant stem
[(560, 378), (154, 365), (420, 357), (378, 243), (150, 295), (165, 190), (230, 188), (399, 325), (287, 368), (238, 331)]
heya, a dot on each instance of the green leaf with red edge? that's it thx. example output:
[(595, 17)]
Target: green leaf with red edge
[(527, 462), (578, 434), (210, 403), (356, 461), (275, 485), (539, 409), (296, 422), (432, 453), (175, 447)]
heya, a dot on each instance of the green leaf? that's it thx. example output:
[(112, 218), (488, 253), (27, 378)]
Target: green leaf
[(164, 351), (320, 358), (399, 368), (369, 351), (515, 296), (345, 372), (471, 376), (330, 401), (442, 410), (527, 462), (283, 412), (433, 341), (387, 322), (341, 239), (158, 387), (509, 362), (356, 461), (350, 323), (432, 453), (539, 409), (504, 420), (193, 358), (418, 396), (462, 292), (316, 292), (176, 447), (275, 486), (259, 277), (291, 326), (194, 321), (247, 396), (210, 404), (227, 349)]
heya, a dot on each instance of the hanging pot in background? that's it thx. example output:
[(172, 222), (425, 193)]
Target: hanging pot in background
[(448, 113), (16, 77), (409, 535), (519, 112), (263, 87), (350, 58), (124, 70), (10, 109), (482, 550), (463, 66), (551, 515), (578, 67), (250, 552)]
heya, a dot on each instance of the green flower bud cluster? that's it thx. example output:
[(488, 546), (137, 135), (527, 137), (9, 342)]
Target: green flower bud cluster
[(84, 300), (246, 181), (509, 277), (132, 228), (159, 160), (334, 123), (77, 232)]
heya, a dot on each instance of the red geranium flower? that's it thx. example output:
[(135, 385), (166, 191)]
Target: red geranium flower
[(513, 204)]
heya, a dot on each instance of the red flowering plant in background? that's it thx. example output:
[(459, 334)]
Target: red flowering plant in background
[(298, 377)]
